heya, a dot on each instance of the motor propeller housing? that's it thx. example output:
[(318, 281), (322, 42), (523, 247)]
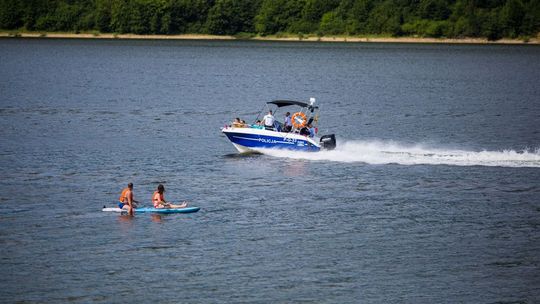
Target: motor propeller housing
[(328, 142)]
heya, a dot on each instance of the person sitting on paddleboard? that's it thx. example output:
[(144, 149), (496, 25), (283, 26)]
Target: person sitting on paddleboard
[(158, 199), (126, 199)]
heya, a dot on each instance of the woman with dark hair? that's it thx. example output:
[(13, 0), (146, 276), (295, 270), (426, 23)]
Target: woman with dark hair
[(158, 199)]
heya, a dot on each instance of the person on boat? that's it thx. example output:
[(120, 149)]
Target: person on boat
[(126, 199), (158, 199), (287, 125), (312, 130), (304, 131), (269, 120), (237, 123), (257, 125)]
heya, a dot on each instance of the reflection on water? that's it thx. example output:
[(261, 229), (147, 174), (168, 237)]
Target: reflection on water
[(156, 218), (294, 169), (126, 222)]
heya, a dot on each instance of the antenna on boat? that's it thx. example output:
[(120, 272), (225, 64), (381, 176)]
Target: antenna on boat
[(311, 102)]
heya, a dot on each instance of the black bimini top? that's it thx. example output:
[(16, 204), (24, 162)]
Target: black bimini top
[(284, 103)]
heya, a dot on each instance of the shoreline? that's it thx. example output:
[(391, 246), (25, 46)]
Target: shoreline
[(305, 38)]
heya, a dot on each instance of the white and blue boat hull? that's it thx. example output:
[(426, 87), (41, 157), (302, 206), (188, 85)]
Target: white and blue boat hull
[(255, 140)]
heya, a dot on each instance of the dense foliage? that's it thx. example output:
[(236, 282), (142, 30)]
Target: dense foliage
[(426, 18)]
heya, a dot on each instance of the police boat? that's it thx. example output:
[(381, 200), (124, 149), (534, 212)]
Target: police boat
[(269, 133)]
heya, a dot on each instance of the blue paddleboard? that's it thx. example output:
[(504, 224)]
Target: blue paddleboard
[(157, 210)]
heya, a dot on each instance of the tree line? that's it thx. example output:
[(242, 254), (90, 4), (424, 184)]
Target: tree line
[(492, 19)]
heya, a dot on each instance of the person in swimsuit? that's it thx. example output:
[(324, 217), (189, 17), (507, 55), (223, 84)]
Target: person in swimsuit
[(158, 199)]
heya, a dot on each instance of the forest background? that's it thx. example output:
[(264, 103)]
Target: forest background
[(491, 19)]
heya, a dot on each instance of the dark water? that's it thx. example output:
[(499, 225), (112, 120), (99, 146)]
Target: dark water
[(432, 196)]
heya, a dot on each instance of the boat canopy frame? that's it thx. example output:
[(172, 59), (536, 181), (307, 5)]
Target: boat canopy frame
[(311, 111), (285, 103)]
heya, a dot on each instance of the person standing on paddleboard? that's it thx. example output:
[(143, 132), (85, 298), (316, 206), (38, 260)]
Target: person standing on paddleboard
[(158, 199), (126, 199)]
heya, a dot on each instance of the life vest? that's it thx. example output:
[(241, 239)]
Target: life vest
[(123, 197), (157, 198)]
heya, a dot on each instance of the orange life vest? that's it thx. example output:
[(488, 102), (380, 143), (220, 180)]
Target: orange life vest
[(123, 197)]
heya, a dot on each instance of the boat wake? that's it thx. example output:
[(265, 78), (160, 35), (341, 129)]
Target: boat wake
[(380, 152)]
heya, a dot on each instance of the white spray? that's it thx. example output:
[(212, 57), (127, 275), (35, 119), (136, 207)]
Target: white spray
[(380, 152)]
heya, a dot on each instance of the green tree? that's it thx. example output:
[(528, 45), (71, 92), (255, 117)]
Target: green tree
[(358, 14), (434, 18), (311, 14), (278, 15), (434, 9), (531, 21), (120, 16), (491, 28), (187, 16), (385, 19), (332, 24), (10, 14), (228, 17), (66, 16), (103, 15), (511, 18)]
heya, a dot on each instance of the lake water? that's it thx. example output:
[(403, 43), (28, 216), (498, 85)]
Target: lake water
[(432, 196)]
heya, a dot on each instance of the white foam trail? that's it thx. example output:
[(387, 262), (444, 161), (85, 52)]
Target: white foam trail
[(378, 152)]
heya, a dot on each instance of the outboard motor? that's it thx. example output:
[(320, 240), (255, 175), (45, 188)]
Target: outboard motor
[(328, 142)]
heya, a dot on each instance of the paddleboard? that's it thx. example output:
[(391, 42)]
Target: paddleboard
[(157, 210)]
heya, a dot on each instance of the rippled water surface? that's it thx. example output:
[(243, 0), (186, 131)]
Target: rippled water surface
[(432, 195)]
